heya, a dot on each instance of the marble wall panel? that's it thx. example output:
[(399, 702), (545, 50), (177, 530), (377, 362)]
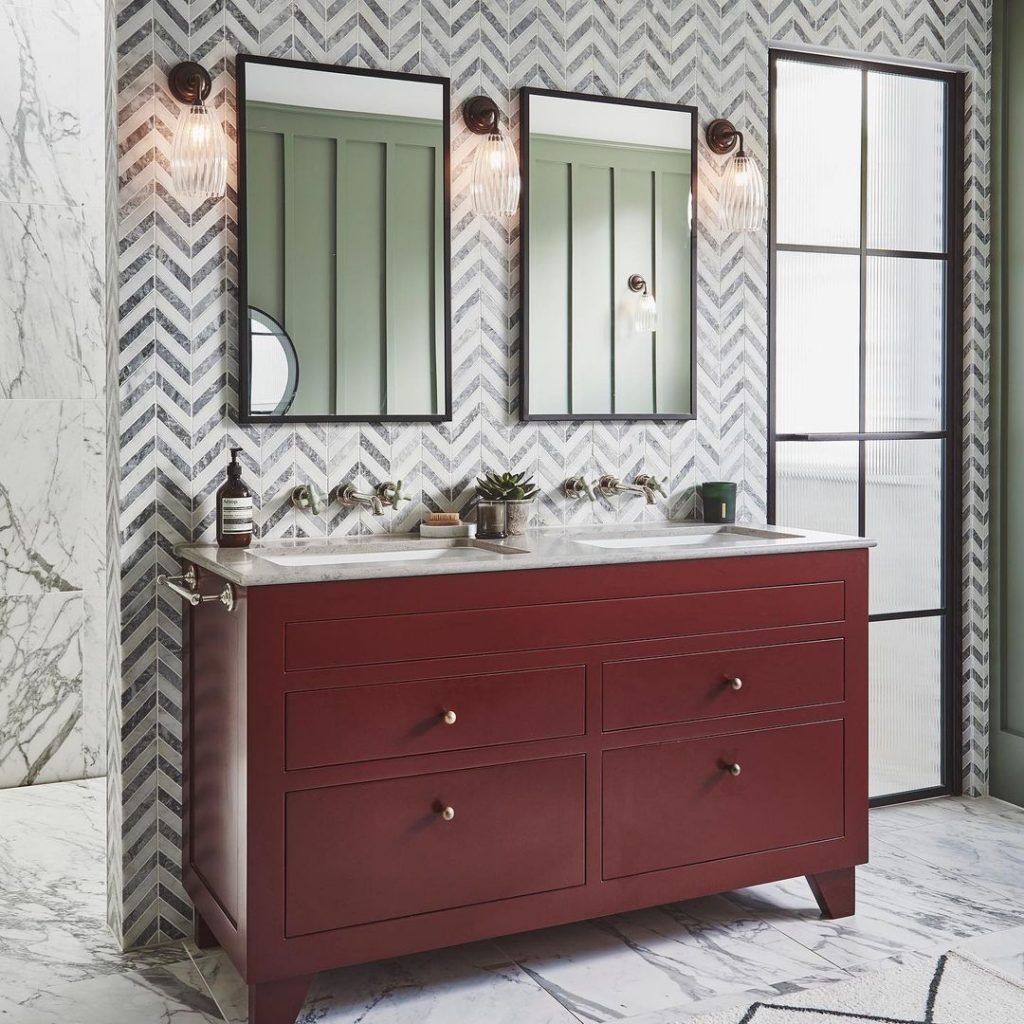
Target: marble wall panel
[(52, 390)]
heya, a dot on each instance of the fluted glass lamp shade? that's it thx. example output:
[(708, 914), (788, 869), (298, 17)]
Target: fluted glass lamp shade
[(496, 181), (646, 317), (742, 203), (199, 156)]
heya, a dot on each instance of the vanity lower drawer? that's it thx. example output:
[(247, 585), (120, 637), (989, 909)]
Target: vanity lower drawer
[(666, 805), (374, 851), (691, 687), (365, 723)]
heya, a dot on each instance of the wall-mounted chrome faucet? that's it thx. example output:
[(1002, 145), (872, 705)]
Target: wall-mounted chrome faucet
[(385, 495), (645, 484)]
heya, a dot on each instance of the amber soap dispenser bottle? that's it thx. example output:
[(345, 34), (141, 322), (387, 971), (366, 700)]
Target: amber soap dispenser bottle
[(234, 508)]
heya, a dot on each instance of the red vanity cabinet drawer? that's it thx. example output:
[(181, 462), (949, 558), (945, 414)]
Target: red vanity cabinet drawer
[(374, 851), (364, 723), (691, 687), (670, 804)]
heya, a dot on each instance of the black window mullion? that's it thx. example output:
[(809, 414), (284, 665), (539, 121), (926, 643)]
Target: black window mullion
[(868, 435)]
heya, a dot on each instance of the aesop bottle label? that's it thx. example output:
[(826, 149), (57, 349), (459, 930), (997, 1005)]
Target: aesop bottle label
[(236, 515)]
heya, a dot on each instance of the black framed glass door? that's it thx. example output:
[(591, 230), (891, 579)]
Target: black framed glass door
[(864, 395)]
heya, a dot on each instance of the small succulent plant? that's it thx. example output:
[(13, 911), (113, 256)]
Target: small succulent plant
[(506, 487)]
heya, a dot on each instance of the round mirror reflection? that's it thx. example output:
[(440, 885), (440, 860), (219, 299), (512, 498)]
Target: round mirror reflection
[(274, 369)]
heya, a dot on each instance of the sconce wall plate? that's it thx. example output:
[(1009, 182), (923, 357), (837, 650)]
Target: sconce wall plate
[(637, 283), (190, 82), (722, 136), (481, 115)]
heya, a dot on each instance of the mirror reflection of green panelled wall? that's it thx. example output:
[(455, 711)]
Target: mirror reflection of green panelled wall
[(602, 213), (600, 210), (345, 275)]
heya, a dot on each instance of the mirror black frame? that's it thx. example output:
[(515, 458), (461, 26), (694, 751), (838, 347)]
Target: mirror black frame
[(524, 258), (245, 414)]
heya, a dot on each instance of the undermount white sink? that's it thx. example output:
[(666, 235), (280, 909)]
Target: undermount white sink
[(361, 557), (696, 538)]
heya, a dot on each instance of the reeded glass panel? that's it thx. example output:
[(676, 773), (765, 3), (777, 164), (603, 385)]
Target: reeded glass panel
[(817, 343), (903, 512), (905, 312), (818, 140), (816, 485), (906, 159), (905, 705)]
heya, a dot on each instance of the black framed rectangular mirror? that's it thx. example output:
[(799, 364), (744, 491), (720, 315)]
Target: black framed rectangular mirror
[(609, 253), (344, 244)]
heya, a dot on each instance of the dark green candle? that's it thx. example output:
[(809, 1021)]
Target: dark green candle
[(719, 500)]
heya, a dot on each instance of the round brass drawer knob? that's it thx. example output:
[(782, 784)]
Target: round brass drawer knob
[(733, 769), (735, 683), (447, 813), (449, 717)]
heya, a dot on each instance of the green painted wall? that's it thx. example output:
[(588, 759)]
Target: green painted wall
[(1007, 704), (345, 247), (599, 213)]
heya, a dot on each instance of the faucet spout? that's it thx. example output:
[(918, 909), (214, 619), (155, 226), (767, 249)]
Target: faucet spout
[(350, 497)]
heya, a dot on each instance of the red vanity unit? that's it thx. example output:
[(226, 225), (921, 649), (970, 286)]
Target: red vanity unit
[(381, 766)]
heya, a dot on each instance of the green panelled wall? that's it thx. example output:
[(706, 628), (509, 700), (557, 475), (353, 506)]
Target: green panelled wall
[(599, 213), (1007, 704), (345, 248)]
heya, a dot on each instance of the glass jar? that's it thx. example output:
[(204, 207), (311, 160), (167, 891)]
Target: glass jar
[(490, 520)]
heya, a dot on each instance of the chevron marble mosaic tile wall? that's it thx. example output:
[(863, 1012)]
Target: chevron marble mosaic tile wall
[(52, 384), (178, 273)]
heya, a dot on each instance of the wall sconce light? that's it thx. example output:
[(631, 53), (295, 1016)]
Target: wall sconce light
[(199, 154), (645, 316), (742, 202), (496, 181)]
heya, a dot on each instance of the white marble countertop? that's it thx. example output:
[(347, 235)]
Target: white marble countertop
[(548, 548)]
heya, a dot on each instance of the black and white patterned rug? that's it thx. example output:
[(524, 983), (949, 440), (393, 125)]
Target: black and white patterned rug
[(952, 989)]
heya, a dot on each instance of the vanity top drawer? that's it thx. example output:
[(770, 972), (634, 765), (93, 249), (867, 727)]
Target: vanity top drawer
[(374, 639), (364, 723), (718, 684), (671, 804), (374, 851)]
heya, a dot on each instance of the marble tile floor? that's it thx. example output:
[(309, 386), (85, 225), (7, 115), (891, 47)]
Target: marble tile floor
[(943, 874)]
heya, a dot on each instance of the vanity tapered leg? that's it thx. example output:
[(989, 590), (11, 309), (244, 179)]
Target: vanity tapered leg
[(835, 892), (201, 932), (278, 1002)]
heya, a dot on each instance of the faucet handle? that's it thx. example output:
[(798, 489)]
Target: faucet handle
[(577, 487), (652, 483), (307, 496), (390, 493)]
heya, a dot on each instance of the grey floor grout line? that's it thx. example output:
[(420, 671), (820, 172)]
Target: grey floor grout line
[(209, 988), (524, 970)]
